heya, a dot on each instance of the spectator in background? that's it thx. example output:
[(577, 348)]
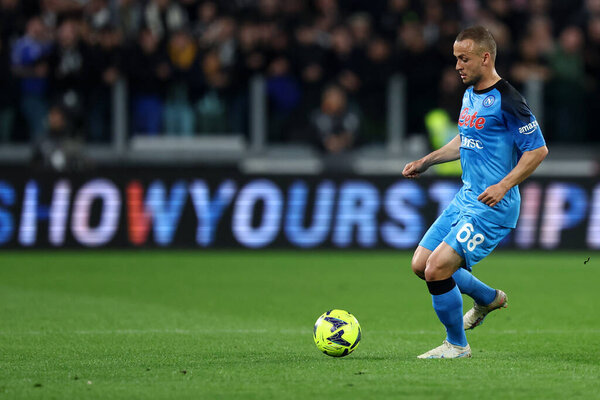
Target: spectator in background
[(361, 29), (501, 34), (420, 66), (539, 8), (69, 69), (334, 125), (345, 61), (185, 84), (308, 58), (501, 11), (129, 18), (30, 65), (8, 94), (250, 60), (235, 92), (589, 9), (12, 20), (207, 13), (398, 12), (592, 51), (283, 93), (530, 64), (189, 7), (148, 71), (372, 100), (432, 21), (268, 10), (105, 68), (566, 89), (251, 55), (468, 11), (60, 149), (54, 11), (449, 29), (164, 17), (539, 29), (221, 36), (298, 45), (211, 108), (293, 12), (97, 14), (592, 67), (328, 15), (451, 93)]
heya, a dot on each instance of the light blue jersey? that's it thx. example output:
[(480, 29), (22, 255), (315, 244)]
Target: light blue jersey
[(496, 126)]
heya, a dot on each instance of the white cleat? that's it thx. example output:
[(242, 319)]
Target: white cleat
[(448, 350), (475, 316)]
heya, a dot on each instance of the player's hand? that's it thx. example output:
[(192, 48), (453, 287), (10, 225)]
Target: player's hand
[(414, 169), (493, 194)]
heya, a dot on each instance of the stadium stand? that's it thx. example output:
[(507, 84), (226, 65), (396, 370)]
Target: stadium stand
[(250, 82)]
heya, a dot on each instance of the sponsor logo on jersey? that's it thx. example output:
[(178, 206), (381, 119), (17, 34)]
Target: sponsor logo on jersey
[(489, 101), (529, 128), (470, 120), (470, 143)]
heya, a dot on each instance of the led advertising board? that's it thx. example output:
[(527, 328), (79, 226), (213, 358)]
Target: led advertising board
[(191, 209)]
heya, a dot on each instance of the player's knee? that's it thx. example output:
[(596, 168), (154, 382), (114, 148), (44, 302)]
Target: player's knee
[(436, 270), (418, 266), (419, 269)]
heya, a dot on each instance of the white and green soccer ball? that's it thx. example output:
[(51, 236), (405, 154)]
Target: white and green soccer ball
[(337, 333)]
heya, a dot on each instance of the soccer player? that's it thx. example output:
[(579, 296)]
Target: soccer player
[(499, 145)]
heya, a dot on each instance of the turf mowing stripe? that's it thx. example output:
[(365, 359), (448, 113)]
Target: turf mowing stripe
[(285, 331)]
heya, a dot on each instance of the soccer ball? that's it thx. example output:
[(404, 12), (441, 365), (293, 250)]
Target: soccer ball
[(337, 333)]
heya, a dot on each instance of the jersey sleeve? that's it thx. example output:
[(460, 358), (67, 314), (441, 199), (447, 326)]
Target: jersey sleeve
[(521, 123)]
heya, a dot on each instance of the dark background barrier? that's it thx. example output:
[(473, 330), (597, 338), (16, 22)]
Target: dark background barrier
[(224, 209)]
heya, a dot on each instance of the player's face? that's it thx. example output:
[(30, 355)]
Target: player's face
[(469, 63)]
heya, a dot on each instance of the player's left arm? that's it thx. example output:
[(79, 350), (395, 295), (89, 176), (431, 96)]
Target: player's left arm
[(529, 161), (528, 139)]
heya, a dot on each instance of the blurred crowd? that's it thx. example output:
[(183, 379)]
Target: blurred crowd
[(327, 64)]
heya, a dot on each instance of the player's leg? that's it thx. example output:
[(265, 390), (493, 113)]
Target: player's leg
[(486, 299), (476, 238), (447, 302), (446, 298), (419, 261), (432, 239), (475, 316), (466, 282), (473, 287)]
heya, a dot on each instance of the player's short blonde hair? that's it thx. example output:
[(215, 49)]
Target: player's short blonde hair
[(482, 38)]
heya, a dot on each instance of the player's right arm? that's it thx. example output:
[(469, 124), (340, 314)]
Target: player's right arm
[(449, 152)]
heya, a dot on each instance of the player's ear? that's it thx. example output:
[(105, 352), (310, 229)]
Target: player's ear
[(487, 58)]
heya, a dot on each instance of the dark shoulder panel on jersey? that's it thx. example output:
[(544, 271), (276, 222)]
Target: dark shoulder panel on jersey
[(520, 121), (513, 103)]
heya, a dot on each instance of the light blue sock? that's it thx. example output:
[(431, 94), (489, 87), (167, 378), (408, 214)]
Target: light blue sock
[(448, 307), (471, 286)]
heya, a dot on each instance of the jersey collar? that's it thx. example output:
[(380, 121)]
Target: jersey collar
[(482, 91)]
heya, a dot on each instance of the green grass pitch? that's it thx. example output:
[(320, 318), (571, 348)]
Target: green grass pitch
[(221, 325)]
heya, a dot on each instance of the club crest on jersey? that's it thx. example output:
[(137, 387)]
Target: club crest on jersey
[(470, 120), (489, 101)]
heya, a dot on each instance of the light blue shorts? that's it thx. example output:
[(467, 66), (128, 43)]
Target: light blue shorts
[(473, 238)]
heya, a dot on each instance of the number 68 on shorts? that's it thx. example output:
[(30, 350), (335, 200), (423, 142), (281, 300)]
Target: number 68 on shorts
[(464, 234), (472, 237)]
